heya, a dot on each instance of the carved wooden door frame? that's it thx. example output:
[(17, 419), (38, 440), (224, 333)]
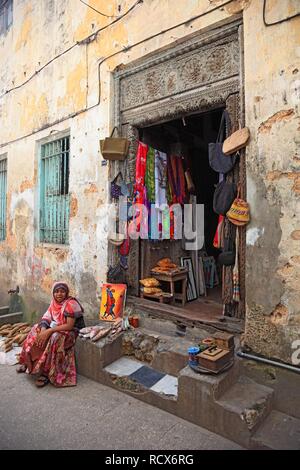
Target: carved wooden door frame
[(143, 99)]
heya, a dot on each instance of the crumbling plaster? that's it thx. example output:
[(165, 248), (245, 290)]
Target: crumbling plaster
[(70, 84), (272, 114)]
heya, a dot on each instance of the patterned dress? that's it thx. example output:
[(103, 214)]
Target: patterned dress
[(57, 360)]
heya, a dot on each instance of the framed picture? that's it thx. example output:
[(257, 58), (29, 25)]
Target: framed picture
[(191, 292)]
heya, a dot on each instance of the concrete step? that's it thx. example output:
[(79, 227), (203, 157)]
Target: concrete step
[(243, 407), (4, 310), (11, 318), (279, 432), (227, 404)]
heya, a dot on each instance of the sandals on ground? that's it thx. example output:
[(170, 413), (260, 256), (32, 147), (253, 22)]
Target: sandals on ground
[(42, 381), (21, 368)]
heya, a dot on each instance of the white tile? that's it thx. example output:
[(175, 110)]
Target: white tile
[(123, 366), (167, 385)]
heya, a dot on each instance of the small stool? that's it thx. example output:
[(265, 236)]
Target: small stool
[(173, 277)]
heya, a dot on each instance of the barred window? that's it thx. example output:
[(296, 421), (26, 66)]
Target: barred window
[(54, 192), (6, 15)]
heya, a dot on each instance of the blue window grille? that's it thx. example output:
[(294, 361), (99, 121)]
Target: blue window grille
[(6, 15), (55, 198), (3, 185)]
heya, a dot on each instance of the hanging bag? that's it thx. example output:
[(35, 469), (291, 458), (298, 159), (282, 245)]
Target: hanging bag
[(114, 148), (115, 188), (224, 195), (218, 161), (227, 257), (239, 212)]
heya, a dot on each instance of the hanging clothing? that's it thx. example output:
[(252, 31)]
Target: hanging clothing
[(218, 238), (160, 179), (150, 176), (161, 192), (140, 170), (176, 179)]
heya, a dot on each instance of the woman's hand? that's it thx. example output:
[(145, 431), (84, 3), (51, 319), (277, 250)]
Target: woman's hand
[(43, 337)]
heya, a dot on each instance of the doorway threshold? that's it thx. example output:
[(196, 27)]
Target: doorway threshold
[(202, 312)]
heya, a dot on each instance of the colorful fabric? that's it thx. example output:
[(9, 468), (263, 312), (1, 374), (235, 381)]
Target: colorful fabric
[(218, 235), (140, 170), (58, 312), (57, 361), (150, 176), (160, 179), (112, 301), (235, 273), (176, 179)]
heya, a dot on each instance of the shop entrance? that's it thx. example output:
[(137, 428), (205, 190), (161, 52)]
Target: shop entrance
[(186, 140), (176, 96)]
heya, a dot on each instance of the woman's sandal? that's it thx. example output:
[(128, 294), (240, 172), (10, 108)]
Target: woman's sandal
[(42, 381), (21, 368)]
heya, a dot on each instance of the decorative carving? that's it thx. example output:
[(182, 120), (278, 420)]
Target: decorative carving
[(200, 67)]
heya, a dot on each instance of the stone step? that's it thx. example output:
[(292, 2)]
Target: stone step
[(278, 432), (243, 407), (11, 318), (4, 310), (227, 404)]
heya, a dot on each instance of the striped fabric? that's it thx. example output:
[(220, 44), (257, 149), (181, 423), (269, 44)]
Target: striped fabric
[(144, 375)]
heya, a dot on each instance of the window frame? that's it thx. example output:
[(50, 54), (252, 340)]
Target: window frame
[(7, 12), (59, 135)]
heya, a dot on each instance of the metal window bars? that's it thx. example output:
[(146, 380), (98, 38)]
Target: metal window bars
[(55, 200)]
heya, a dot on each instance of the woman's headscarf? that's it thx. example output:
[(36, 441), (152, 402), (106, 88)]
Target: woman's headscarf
[(61, 285), (70, 307)]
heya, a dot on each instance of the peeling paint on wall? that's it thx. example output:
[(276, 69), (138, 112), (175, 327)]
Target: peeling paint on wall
[(253, 235)]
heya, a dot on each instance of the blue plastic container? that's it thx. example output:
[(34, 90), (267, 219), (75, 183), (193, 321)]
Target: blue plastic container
[(193, 351)]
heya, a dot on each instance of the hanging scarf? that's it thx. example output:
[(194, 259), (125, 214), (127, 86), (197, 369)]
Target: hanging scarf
[(150, 176), (218, 238), (160, 179), (140, 170), (176, 179), (235, 272)]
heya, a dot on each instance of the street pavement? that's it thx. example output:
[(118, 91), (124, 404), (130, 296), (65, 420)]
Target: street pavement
[(90, 416)]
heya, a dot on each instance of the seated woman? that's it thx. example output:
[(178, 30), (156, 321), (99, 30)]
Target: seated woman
[(49, 347)]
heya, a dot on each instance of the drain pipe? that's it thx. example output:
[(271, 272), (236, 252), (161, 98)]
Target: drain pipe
[(268, 361)]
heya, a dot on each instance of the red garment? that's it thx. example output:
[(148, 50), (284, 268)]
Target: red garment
[(140, 170), (59, 311), (217, 241), (57, 361)]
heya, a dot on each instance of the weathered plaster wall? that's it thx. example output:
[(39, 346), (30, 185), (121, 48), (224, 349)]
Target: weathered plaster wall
[(53, 101), (68, 85), (272, 96)]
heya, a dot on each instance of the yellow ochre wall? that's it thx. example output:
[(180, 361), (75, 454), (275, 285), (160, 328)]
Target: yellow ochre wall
[(56, 98)]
